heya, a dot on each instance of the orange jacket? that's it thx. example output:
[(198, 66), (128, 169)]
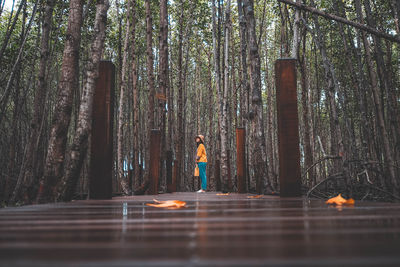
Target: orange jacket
[(201, 153)]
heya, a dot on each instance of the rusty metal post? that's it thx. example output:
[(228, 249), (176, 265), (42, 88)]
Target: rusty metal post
[(155, 142), (288, 128), (241, 159), (101, 154), (174, 174), (217, 175), (168, 155)]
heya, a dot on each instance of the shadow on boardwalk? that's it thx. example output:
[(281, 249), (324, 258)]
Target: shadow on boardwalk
[(213, 230)]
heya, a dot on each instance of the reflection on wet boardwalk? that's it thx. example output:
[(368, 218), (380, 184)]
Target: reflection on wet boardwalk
[(213, 230)]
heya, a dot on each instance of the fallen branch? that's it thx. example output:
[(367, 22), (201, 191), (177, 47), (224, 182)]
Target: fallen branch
[(337, 175), (319, 161), (383, 191), (357, 25)]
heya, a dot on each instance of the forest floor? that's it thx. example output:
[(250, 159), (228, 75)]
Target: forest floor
[(211, 230)]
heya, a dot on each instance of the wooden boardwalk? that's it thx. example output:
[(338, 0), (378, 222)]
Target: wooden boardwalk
[(212, 231)]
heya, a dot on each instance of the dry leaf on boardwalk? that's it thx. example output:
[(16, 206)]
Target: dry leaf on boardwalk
[(223, 194), (257, 196), (339, 200), (169, 204)]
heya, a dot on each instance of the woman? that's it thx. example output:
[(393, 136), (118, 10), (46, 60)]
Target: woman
[(201, 160)]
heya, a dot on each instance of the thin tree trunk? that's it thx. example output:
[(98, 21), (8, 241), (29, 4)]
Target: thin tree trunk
[(27, 173), (136, 94), (122, 112), (378, 105), (150, 74), (357, 25), (308, 157), (296, 33), (163, 83), (256, 114), (225, 172), (221, 107), (180, 131), (5, 96), (337, 147), (10, 30), (78, 149), (62, 112)]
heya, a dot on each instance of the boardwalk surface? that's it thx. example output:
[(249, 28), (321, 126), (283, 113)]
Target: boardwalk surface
[(212, 231)]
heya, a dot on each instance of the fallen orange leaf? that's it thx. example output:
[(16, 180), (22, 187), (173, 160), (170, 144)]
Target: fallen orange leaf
[(257, 196), (169, 204), (339, 200), (223, 194)]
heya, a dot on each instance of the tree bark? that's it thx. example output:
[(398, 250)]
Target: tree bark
[(62, 112), (78, 149), (256, 113), (27, 174), (296, 32), (135, 88), (150, 74), (180, 131), (357, 25), (379, 111), (122, 112), (221, 105), (10, 30), (308, 156), (163, 83), (337, 147), (225, 170)]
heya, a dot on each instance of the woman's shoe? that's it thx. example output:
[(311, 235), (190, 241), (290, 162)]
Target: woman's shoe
[(201, 191)]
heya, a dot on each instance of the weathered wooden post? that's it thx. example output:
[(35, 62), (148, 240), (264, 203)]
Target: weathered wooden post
[(241, 159), (288, 128), (100, 178), (155, 142)]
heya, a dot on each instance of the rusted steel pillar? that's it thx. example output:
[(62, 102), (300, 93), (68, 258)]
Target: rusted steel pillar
[(101, 154), (288, 128), (169, 169), (217, 175), (155, 139), (172, 187), (241, 159)]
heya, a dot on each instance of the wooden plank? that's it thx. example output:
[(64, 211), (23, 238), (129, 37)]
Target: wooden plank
[(100, 185), (212, 230), (288, 128)]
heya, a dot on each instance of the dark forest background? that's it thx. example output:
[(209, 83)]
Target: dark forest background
[(199, 67)]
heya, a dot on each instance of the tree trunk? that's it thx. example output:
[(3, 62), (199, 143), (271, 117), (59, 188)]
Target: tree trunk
[(379, 111), (122, 112), (10, 30), (220, 105), (296, 33), (256, 113), (78, 149), (136, 95), (163, 83), (180, 131), (27, 174), (337, 147), (62, 112), (225, 122)]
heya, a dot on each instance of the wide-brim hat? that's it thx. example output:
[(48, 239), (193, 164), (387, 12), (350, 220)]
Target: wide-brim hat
[(201, 137)]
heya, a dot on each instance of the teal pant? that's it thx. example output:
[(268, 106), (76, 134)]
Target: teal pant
[(202, 172)]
